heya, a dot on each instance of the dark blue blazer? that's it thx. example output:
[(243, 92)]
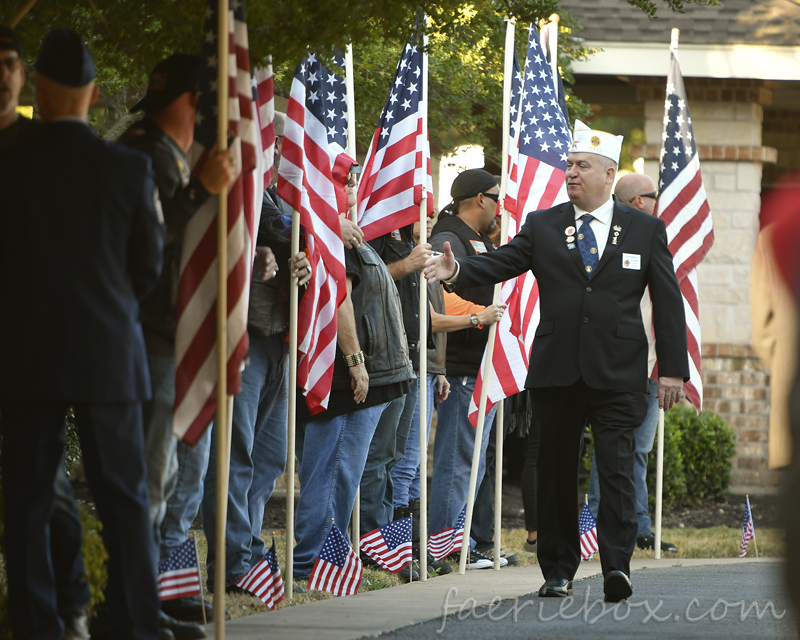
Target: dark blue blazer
[(592, 329), (81, 243)]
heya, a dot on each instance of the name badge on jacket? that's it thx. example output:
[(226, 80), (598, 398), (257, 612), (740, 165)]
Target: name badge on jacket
[(631, 261), (478, 246)]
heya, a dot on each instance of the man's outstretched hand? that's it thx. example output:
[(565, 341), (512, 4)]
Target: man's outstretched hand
[(441, 267)]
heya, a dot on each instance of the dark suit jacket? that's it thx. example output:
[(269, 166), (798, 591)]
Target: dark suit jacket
[(592, 329), (80, 244)]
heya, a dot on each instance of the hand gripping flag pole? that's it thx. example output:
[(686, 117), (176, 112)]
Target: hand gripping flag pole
[(476, 452)]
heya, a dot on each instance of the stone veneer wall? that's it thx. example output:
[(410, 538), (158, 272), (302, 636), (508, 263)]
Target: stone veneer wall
[(736, 387)]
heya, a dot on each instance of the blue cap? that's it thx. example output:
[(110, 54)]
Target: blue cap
[(65, 59)]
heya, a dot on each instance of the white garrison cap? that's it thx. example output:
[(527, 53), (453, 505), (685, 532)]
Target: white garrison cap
[(586, 140)]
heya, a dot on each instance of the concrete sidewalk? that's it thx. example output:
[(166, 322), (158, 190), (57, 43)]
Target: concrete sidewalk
[(377, 612)]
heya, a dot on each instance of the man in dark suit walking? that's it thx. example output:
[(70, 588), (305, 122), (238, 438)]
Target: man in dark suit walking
[(592, 258), (81, 240)]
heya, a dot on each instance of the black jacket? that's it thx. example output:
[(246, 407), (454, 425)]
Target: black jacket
[(180, 198), (80, 244), (464, 347), (592, 329)]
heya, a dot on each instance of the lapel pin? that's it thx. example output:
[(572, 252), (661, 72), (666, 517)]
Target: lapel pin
[(614, 240), (616, 227), (570, 246), (570, 230), (570, 238)]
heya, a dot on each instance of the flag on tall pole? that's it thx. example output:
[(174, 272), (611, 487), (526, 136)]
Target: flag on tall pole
[(312, 178), (195, 339), (683, 206), (397, 171), (748, 529), (536, 181), (265, 108)]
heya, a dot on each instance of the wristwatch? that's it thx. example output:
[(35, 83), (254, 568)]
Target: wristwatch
[(473, 320)]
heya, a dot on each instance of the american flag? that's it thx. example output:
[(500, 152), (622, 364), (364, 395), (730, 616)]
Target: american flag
[(587, 529), (389, 545), (179, 575), (196, 334), (265, 101), (264, 579), (311, 179), (683, 207), (748, 530), (338, 568), (442, 543), (397, 171), (536, 181)]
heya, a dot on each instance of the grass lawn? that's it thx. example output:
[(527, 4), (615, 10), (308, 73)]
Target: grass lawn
[(714, 542)]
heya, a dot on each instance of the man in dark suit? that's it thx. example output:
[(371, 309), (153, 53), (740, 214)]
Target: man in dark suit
[(81, 240), (592, 258)]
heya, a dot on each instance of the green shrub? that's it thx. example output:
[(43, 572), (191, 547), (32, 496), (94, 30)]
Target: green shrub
[(95, 557), (674, 489)]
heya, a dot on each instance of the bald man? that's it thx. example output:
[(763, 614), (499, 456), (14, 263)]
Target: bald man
[(639, 191)]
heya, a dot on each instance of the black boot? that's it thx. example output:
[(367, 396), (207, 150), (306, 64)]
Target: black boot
[(414, 509), (400, 513)]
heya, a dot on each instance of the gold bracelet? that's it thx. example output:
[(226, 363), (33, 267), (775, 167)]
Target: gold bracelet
[(355, 359)]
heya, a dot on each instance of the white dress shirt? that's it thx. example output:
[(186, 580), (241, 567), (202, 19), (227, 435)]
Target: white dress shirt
[(600, 225)]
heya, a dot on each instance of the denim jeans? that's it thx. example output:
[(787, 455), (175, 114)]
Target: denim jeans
[(334, 452), (405, 473), (160, 445), (184, 503), (452, 454), (645, 434), (258, 457), (388, 444)]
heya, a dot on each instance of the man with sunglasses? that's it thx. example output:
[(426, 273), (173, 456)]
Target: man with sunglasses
[(462, 225), (639, 191)]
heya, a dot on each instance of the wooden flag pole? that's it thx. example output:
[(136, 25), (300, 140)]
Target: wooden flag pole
[(290, 440), (422, 516), (659, 482), (222, 423), (355, 521), (487, 370)]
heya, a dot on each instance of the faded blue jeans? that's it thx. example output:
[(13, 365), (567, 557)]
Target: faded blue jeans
[(258, 457), (645, 434), (452, 454), (405, 473), (334, 452)]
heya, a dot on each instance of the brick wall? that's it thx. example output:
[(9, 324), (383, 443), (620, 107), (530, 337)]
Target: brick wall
[(736, 387)]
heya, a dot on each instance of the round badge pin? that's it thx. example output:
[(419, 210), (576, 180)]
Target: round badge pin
[(570, 238), (570, 231)]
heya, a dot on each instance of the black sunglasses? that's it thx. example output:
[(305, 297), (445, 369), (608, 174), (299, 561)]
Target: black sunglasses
[(652, 196), (492, 196)]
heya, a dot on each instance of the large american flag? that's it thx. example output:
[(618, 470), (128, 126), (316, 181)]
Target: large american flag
[(264, 579), (338, 568), (311, 179), (265, 101), (443, 543), (748, 529), (389, 545), (683, 207), (536, 181), (179, 575), (196, 334), (397, 171), (587, 530)]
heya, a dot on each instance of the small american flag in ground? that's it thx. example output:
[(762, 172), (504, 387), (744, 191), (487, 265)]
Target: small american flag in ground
[(389, 545), (264, 579), (748, 530), (587, 528), (683, 206), (397, 171), (178, 575), (442, 543), (338, 568)]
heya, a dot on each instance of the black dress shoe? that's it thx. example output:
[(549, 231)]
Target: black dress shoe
[(556, 588), (188, 609), (648, 541), (617, 586), (181, 630)]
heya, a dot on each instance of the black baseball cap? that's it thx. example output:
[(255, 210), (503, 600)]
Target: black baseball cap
[(470, 183), (65, 59), (8, 40), (171, 77)]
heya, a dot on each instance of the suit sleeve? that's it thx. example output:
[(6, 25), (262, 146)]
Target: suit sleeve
[(146, 245), (505, 263), (669, 320)]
